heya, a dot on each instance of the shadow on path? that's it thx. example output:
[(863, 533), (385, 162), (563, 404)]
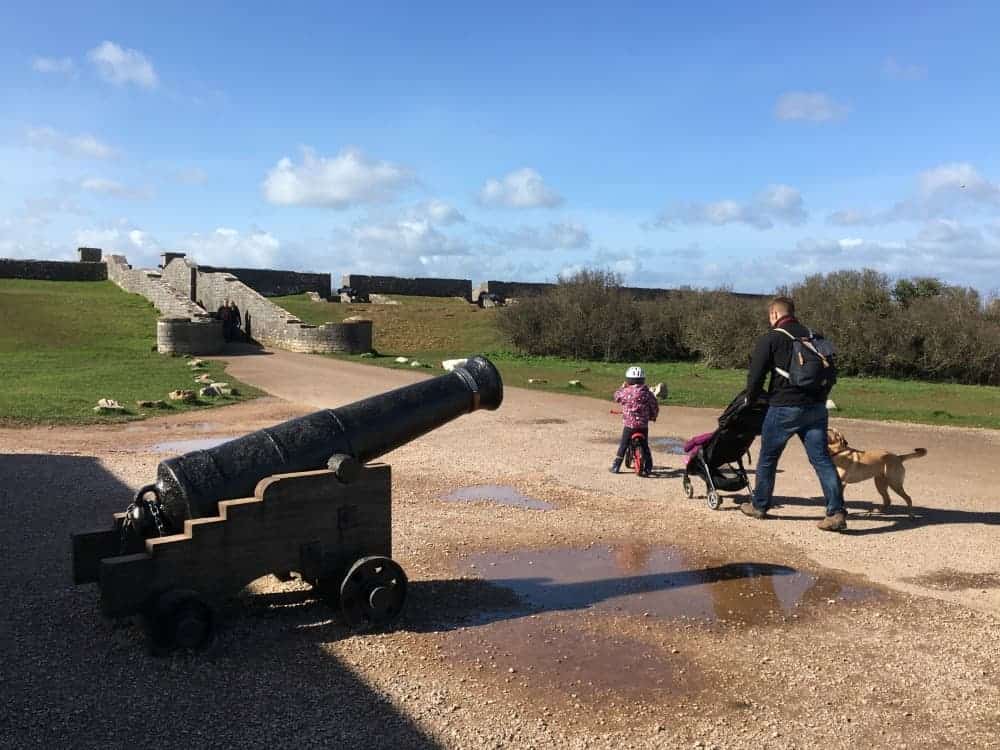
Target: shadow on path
[(72, 679)]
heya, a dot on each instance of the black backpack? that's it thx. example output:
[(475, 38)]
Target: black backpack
[(813, 367)]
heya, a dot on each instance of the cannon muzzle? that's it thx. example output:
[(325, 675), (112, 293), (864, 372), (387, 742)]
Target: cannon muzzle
[(191, 486)]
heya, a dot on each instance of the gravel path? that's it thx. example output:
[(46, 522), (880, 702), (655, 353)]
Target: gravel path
[(626, 616)]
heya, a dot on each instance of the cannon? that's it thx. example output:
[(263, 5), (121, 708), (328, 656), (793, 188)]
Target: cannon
[(301, 496)]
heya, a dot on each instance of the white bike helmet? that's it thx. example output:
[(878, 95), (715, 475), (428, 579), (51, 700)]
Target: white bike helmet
[(635, 375)]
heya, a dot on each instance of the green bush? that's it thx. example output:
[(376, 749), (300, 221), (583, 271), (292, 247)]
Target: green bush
[(913, 328)]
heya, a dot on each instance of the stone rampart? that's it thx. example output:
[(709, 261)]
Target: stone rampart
[(189, 336), (185, 328), (268, 324), (52, 270), (417, 287), (271, 283)]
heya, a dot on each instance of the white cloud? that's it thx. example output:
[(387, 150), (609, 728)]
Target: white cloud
[(82, 146), (21, 238), (899, 71), (522, 188), (943, 248), (113, 188), (809, 105), (122, 238), (566, 235), (437, 212), (406, 238), (945, 190), (345, 180), (61, 65), (775, 203), (122, 66), (229, 247)]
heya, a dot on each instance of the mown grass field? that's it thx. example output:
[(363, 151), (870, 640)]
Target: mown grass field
[(64, 345), (431, 329)]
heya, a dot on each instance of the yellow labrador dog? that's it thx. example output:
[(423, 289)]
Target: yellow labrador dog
[(858, 466)]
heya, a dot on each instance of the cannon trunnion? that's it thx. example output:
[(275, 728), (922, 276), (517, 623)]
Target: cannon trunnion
[(295, 497)]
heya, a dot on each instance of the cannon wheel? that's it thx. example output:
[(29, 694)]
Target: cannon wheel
[(180, 618), (373, 593)]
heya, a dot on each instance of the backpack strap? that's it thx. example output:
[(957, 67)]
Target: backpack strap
[(784, 373)]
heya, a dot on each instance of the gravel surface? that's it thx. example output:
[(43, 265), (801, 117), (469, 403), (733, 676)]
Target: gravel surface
[(626, 616)]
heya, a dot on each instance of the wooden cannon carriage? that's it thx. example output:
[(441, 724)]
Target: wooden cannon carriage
[(294, 497)]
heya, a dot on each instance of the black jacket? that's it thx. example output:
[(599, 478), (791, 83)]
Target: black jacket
[(774, 348)]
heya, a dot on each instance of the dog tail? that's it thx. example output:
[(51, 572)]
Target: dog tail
[(917, 453)]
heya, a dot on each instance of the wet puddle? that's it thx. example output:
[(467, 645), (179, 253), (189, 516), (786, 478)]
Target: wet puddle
[(552, 651), (673, 445), (500, 494), (658, 582), (954, 580), (178, 447)]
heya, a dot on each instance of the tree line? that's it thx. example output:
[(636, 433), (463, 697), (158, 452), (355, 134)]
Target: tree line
[(917, 328)]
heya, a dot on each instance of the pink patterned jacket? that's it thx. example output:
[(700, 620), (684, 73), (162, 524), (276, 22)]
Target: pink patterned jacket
[(639, 405)]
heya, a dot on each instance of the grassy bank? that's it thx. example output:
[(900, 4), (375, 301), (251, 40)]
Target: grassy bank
[(431, 329), (64, 345)]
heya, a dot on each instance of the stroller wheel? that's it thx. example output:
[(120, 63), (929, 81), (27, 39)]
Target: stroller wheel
[(714, 501), (688, 487)]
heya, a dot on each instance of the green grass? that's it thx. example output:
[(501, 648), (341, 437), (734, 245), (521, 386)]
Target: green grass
[(64, 345), (431, 329)]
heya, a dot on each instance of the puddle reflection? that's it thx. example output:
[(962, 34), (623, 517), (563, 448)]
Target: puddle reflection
[(658, 582), (500, 494)]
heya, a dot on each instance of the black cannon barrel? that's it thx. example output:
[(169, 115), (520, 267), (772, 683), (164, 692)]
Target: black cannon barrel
[(191, 486)]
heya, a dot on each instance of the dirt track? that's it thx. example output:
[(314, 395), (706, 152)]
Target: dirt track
[(596, 633)]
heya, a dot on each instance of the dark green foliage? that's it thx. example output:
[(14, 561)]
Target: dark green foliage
[(916, 328)]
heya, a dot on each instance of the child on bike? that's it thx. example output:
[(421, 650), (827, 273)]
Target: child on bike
[(639, 408)]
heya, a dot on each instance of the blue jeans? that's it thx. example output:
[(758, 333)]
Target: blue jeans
[(809, 423), (627, 433)]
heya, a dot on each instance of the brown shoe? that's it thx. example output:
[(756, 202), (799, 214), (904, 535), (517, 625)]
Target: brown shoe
[(751, 510), (836, 522)]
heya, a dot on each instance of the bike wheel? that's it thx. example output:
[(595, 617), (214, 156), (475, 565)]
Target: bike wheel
[(637, 462)]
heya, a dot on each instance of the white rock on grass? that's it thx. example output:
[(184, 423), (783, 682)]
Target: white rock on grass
[(204, 378), (194, 364), (537, 381), (182, 395), (830, 405), (415, 363), (401, 360), (576, 384), (108, 404), (451, 364), (660, 391)]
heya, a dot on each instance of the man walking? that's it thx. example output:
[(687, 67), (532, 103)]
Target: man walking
[(792, 411)]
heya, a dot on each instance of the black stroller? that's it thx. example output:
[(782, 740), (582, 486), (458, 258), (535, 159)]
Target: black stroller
[(711, 456)]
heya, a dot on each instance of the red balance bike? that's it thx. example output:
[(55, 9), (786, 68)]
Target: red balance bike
[(634, 454)]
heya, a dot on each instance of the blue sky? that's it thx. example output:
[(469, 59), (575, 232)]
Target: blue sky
[(700, 144)]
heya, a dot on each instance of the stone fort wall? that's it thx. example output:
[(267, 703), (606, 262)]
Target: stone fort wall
[(262, 320), (277, 283), (416, 287), (52, 270), (185, 328)]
